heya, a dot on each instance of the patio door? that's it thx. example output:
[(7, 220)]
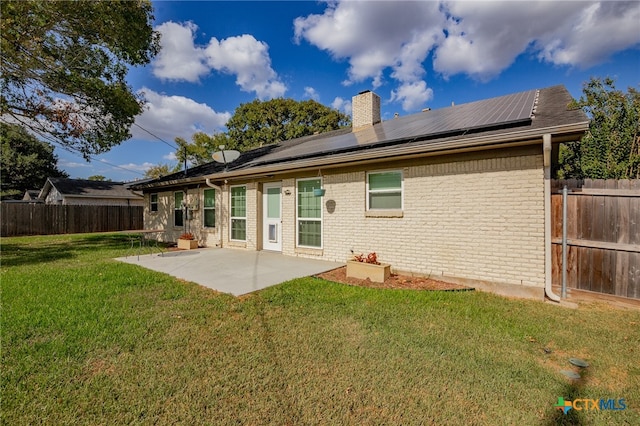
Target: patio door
[(272, 216)]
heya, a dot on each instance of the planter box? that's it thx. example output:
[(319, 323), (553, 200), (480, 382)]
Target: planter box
[(187, 244), (361, 270)]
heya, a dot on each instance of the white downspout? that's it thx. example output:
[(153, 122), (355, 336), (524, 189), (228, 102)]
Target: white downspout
[(219, 191), (546, 149), (208, 182)]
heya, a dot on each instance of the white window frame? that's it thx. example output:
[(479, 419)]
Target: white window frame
[(231, 218), (152, 203), (382, 191), (298, 218), (184, 195), (205, 208)]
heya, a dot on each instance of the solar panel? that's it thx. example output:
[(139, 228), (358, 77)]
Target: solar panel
[(506, 110)]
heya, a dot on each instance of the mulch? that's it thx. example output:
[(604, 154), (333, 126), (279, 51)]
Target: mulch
[(395, 281)]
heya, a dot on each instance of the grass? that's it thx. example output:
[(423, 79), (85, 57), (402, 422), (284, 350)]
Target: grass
[(89, 340)]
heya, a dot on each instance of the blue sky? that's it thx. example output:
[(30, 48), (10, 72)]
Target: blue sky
[(216, 55)]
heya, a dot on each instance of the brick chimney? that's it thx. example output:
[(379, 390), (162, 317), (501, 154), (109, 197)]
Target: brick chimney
[(365, 107)]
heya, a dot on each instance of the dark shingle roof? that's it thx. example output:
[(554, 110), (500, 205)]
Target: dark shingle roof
[(209, 168), (91, 188), (527, 113), (503, 111)]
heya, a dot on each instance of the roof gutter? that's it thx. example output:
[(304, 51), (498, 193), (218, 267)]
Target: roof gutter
[(519, 138), (511, 139), (174, 182)]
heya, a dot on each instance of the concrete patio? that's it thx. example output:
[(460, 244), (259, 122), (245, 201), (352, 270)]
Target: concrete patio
[(231, 271)]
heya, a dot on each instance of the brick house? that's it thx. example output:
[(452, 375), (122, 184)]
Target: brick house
[(460, 193)]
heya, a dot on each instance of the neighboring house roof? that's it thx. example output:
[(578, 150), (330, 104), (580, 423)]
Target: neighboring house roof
[(80, 188), (31, 195), (516, 119)]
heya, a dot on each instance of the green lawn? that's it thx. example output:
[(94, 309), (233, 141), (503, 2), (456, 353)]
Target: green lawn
[(88, 340)]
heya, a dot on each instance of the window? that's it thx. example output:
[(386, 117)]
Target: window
[(309, 218), (384, 190), (209, 208), (153, 202), (178, 211), (239, 213)]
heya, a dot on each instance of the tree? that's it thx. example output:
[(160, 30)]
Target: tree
[(26, 162), (64, 65), (260, 123), (98, 178), (611, 147), (200, 149), (157, 171)]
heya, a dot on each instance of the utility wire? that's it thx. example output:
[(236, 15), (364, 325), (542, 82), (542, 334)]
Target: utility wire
[(71, 151), (53, 141), (92, 159), (155, 136)]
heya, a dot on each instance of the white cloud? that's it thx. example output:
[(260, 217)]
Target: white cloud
[(412, 95), (342, 105), (243, 56), (485, 38), (179, 58), (479, 39), (170, 156), (169, 117), (375, 35), (311, 93), (64, 163), (592, 34), (137, 167), (248, 59)]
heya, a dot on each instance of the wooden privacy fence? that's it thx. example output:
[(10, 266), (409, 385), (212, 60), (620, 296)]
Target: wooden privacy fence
[(42, 219), (603, 235)]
